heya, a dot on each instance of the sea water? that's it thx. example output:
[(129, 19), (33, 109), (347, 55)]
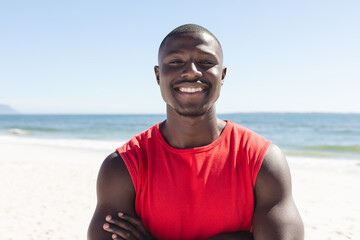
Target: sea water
[(299, 134)]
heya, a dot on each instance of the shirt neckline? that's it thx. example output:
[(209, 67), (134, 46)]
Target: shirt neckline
[(224, 133)]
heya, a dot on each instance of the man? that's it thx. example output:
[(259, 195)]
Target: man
[(194, 176)]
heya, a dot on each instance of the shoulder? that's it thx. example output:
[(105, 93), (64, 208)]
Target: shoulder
[(275, 163), (112, 163), (273, 180), (113, 177), (274, 160)]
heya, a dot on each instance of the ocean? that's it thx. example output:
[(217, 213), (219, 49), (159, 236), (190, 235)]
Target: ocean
[(297, 134)]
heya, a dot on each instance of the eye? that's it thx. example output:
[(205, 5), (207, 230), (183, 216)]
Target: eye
[(176, 62), (206, 62)]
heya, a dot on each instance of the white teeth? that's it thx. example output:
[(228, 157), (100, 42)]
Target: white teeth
[(190, 90)]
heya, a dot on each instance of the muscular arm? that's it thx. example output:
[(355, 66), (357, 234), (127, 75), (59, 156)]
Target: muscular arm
[(275, 214), (115, 193)]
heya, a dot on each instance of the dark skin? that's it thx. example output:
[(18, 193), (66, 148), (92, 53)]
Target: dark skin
[(190, 75)]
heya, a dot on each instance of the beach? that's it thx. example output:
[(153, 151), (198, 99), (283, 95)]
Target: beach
[(50, 193), (46, 192)]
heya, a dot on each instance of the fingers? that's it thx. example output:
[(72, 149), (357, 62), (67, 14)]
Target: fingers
[(135, 222), (122, 228), (117, 233)]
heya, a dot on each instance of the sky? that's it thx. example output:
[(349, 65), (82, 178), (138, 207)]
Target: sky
[(98, 56)]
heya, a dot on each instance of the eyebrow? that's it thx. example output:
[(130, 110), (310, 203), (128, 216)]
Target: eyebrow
[(208, 53), (174, 52)]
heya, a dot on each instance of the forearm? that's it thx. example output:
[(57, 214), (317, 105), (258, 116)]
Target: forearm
[(243, 235), (96, 231)]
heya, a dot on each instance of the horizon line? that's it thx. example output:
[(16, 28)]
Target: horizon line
[(219, 113)]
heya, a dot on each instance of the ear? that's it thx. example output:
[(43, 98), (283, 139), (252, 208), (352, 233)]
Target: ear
[(223, 75), (157, 74)]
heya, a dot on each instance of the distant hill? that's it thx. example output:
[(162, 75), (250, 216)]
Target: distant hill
[(6, 109)]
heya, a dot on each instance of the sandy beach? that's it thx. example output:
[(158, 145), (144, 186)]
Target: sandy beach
[(49, 193)]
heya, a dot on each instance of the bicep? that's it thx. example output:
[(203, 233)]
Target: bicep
[(115, 193), (275, 214)]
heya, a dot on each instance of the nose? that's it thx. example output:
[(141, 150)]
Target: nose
[(191, 72)]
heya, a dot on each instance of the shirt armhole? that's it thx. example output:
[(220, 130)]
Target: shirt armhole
[(130, 165), (259, 161)]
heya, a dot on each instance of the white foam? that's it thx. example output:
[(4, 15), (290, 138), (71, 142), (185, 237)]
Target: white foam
[(67, 143), (18, 131)]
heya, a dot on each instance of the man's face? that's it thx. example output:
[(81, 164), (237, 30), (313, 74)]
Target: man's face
[(190, 73)]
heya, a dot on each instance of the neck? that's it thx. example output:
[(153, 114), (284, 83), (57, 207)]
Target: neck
[(189, 132)]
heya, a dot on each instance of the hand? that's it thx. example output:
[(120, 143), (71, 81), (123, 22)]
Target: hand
[(126, 227)]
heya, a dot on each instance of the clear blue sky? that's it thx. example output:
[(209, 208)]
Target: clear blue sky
[(98, 56)]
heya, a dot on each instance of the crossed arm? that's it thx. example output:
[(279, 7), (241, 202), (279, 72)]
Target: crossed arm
[(115, 194), (275, 213)]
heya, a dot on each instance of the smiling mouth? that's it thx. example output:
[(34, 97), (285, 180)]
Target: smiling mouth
[(193, 87), (190, 89)]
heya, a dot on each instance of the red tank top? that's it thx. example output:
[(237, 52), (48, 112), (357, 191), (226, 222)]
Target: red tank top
[(198, 192)]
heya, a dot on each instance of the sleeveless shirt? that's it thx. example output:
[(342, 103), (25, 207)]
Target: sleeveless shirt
[(195, 193)]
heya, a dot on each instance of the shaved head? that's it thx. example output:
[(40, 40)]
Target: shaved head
[(185, 29)]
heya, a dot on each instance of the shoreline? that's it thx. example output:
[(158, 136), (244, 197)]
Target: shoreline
[(49, 192), (109, 145)]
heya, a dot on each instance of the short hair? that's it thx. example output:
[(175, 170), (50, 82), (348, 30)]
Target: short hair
[(188, 28)]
